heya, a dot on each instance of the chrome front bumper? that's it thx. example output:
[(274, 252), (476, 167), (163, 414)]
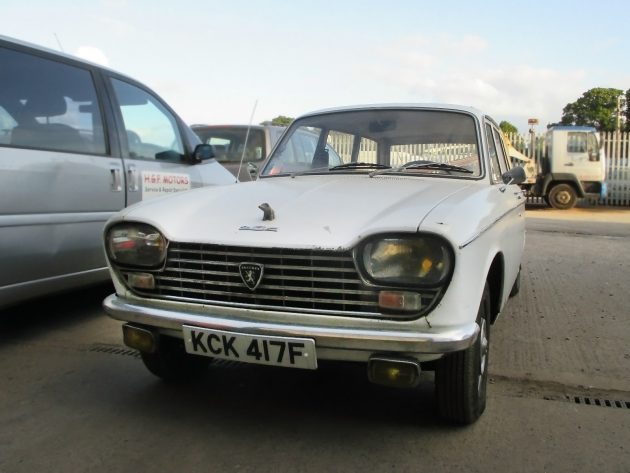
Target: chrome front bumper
[(335, 338)]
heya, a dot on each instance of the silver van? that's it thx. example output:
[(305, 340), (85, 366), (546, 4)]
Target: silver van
[(78, 142)]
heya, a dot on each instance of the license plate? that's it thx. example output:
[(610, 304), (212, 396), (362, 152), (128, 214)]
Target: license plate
[(277, 351)]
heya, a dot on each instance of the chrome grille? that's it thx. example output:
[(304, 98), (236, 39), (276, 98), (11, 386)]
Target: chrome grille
[(302, 280)]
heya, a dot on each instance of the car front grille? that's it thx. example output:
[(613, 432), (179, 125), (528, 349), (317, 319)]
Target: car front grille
[(293, 280)]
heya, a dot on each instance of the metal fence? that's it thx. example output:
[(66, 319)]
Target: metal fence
[(617, 148)]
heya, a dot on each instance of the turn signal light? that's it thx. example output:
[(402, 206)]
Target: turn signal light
[(141, 280), (141, 339), (400, 301), (394, 372)]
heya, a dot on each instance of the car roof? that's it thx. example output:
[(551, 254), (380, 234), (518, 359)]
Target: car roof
[(400, 106), (25, 44)]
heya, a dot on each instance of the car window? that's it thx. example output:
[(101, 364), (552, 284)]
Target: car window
[(152, 131), (48, 105), (234, 143), (495, 167), (503, 162)]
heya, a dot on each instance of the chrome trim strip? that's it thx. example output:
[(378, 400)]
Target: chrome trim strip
[(444, 341), (267, 266), (273, 308), (488, 227), (260, 253), (239, 286)]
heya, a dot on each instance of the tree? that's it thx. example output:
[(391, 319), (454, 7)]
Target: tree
[(627, 114), (507, 127), (280, 120), (597, 107)]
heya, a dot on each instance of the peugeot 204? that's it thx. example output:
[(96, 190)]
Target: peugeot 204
[(401, 257)]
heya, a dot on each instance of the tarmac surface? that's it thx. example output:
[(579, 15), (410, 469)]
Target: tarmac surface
[(72, 398)]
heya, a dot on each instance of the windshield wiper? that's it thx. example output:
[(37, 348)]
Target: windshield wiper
[(360, 165), (306, 171), (423, 165)]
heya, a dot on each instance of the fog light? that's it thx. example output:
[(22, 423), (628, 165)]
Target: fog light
[(139, 338), (394, 372), (141, 280), (400, 300)]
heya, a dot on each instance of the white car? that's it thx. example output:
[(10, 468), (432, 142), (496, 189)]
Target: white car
[(400, 258)]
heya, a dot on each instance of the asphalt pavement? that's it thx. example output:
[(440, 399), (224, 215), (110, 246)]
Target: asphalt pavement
[(72, 398)]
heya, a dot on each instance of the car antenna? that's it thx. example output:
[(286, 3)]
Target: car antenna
[(249, 127), (59, 42)]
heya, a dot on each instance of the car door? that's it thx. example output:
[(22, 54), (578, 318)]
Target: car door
[(509, 205), (154, 148), (60, 180)]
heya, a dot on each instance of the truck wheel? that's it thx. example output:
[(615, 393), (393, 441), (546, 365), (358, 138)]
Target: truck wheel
[(461, 378), (562, 196), (171, 362)]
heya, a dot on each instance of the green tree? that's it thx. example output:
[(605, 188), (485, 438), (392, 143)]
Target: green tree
[(280, 120), (597, 107), (507, 127)]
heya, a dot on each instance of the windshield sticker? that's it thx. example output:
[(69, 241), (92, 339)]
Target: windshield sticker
[(155, 184)]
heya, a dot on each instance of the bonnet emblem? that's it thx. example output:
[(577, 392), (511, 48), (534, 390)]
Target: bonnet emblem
[(251, 274), (268, 213)]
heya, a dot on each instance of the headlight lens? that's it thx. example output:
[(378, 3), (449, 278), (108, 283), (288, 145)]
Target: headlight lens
[(408, 261), (136, 244)]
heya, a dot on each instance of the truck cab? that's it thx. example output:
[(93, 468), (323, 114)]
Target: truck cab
[(573, 166)]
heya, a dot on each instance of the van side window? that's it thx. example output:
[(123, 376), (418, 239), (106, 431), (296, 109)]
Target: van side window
[(48, 105), (151, 129)]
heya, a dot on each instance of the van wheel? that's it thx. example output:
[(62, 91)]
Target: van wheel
[(171, 362), (461, 378), (562, 197)]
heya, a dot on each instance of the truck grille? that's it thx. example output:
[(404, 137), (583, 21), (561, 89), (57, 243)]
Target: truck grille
[(293, 280)]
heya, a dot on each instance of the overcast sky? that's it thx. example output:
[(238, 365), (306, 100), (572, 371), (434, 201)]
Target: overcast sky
[(212, 60)]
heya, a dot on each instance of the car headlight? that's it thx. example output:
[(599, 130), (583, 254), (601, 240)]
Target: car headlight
[(414, 260), (136, 244)]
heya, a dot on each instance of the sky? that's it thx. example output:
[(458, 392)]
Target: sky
[(217, 62)]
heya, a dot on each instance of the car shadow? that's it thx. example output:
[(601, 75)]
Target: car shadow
[(33, 318)]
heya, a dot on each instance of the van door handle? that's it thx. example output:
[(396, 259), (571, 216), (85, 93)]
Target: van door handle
[(116, 180), (132, 178), (568, 164)]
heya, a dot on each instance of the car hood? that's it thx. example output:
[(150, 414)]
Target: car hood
[(324, 212)]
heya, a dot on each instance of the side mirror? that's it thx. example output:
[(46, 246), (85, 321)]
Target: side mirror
[(252, 169), (516, 175), (203, 152)]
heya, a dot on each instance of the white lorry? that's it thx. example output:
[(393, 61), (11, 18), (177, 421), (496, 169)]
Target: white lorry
[(573, 166)]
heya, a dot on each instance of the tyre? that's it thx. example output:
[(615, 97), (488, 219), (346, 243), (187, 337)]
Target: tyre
[(516, 288), (562, 196), (461, 378), (171, 363)]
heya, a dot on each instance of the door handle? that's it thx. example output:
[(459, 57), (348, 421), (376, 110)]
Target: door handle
[(132, 178), (116, 180), (568, 164)]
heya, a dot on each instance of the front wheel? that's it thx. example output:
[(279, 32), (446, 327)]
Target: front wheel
[(562, 197), (461, 378)]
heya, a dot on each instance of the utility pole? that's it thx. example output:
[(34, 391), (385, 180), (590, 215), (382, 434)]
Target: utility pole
[(532, 147)]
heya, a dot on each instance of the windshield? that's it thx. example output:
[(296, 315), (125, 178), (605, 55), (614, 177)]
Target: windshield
[(366, 140)]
